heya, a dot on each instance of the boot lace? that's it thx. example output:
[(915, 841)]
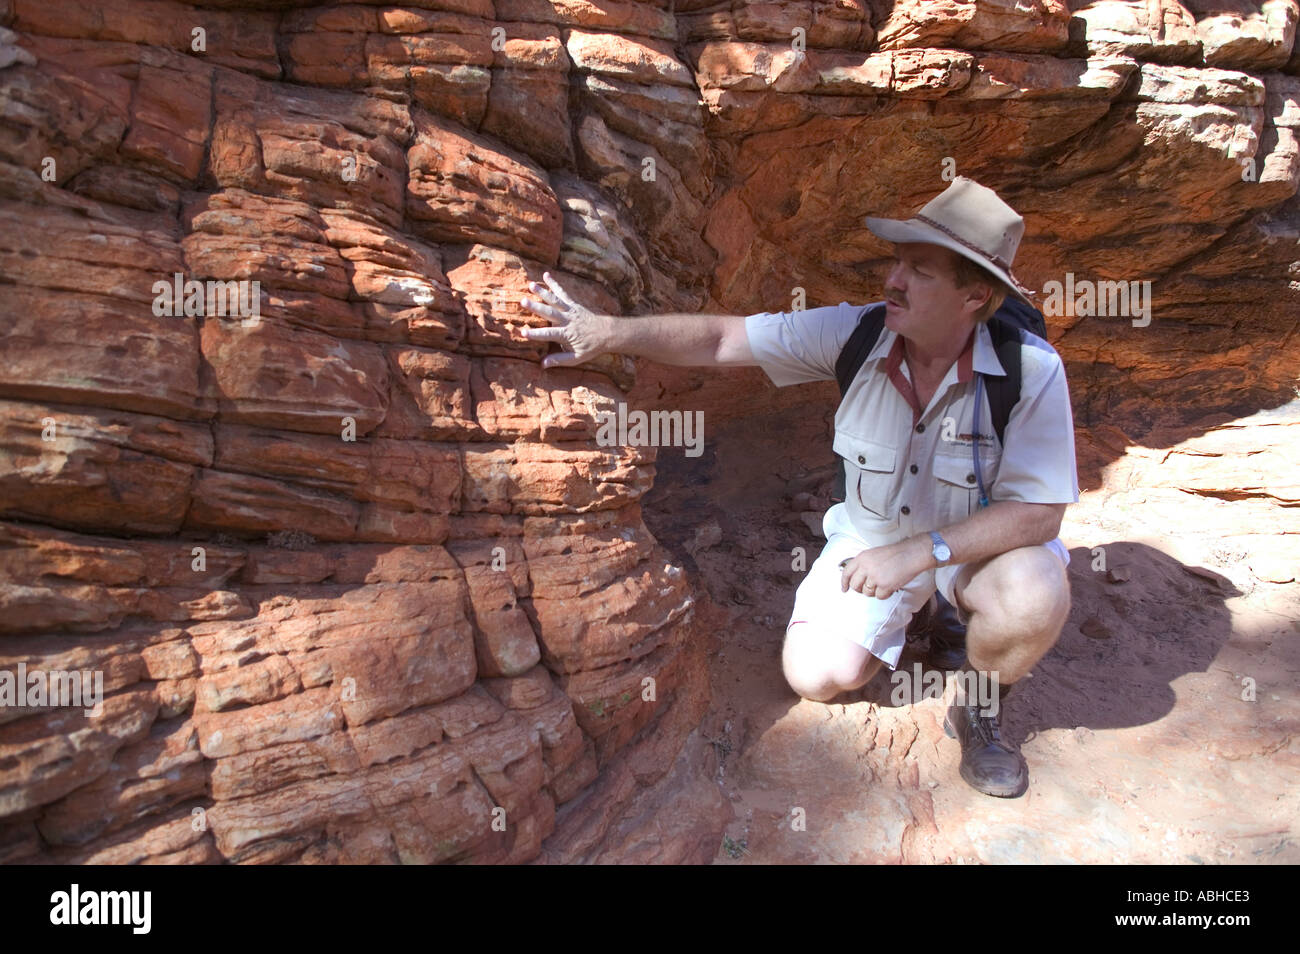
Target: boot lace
[(987, 727)]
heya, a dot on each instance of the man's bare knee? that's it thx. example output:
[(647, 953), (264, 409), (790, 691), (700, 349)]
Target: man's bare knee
[(1017, 613), (815, 671), (812, 689), (1020, 592), (806, 674)]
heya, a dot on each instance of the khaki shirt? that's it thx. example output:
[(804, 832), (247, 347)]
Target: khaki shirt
[(906, 478)]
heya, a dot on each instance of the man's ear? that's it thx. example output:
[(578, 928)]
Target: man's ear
[(980, 293)]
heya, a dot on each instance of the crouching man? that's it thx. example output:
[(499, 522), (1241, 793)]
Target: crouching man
[(934, 499)]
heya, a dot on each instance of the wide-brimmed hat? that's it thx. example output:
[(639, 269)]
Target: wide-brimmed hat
[(971, 220)]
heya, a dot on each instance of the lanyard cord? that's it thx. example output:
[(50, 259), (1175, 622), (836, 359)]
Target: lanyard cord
[(975, 438)]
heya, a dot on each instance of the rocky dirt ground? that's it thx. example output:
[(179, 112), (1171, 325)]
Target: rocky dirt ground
[(1143, 741)]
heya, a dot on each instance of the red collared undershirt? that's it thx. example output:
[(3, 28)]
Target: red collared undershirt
[(894, 369)]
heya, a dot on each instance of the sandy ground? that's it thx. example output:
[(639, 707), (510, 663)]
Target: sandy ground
[(1160, 728)]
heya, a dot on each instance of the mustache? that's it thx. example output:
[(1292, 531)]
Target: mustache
[(895, 298)]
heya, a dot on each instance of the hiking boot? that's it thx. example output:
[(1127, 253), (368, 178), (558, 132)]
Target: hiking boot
[(988, 763), (947, 637)]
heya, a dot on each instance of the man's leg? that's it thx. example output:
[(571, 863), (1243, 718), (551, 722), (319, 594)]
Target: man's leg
[(819, 666), (1016, 604), (838, 640)]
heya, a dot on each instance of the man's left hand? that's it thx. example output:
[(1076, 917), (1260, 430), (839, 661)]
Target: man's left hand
[(882, 571)]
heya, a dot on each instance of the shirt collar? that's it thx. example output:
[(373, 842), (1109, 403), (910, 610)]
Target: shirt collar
[(984, 358), (884, 344)]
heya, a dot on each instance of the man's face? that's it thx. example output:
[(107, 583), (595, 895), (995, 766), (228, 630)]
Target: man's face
[(921, 292)]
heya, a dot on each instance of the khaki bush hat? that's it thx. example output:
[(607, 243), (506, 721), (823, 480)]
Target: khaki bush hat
[(971, 220)]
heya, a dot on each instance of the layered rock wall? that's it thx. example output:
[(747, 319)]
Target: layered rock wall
[(361, 581)]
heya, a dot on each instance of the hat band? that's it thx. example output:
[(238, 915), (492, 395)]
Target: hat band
[(997, 260)]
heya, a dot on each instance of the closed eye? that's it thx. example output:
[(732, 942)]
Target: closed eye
[(911, 267)]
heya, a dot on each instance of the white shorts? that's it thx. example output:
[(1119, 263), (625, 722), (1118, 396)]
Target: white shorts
[(879, 626)]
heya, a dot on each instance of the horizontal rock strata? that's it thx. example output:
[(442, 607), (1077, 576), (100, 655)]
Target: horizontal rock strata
[(361, 580)]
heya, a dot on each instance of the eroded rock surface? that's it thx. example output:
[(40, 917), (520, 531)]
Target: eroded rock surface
[(360, 579)]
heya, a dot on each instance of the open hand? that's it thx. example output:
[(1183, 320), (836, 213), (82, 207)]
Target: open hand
[(575, 328)]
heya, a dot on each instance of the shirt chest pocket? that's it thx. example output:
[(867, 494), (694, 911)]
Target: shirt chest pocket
[(956, 481), (871, 473)]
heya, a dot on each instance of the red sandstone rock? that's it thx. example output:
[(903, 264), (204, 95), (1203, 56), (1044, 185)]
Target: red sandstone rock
[(360, 577), (977, 24), (1163, 31), (1255, 36), (466, 189), (99, 470)]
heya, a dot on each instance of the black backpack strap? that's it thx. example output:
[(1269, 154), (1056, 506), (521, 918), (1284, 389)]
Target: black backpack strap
[(854, 353), (1016, 312), (852, 356), (1004, 391)]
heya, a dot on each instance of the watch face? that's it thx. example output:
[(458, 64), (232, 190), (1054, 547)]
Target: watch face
[(942, 553)]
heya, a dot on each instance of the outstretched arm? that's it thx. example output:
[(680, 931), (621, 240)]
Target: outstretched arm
[(689, 340)]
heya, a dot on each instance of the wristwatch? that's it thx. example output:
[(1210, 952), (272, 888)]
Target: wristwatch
[(942, 553)]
